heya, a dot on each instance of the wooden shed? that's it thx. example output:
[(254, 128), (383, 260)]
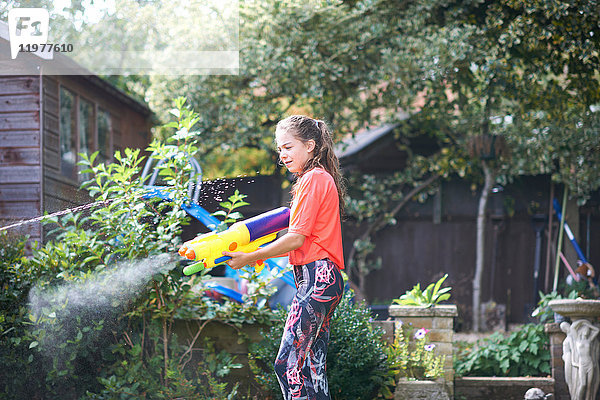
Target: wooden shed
[(45, 121)]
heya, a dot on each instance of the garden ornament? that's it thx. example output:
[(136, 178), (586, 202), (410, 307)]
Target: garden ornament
[(581, 351), (536, 394)]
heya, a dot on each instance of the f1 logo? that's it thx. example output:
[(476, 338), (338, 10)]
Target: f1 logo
[(27, 26)]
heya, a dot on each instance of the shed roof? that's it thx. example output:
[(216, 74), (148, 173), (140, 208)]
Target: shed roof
[(361, 140), (378, 149), (354, 144), (36, 63)]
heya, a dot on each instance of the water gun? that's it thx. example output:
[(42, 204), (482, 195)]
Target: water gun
[(246, 236)]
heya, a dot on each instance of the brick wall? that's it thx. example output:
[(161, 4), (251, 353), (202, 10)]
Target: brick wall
[(557, 336)]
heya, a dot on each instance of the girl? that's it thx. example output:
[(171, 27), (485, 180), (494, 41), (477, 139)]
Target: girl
[(314, 246)]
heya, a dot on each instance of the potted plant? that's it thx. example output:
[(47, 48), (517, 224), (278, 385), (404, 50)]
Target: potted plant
[(421, 311), (417, 366), (434, 294)]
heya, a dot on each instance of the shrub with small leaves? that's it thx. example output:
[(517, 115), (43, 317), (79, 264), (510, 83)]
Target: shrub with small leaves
[(106, 292), (357, 365)]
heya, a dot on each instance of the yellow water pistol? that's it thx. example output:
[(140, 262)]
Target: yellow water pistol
[(246, 236)]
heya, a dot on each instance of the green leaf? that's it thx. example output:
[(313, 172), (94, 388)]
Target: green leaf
[(439, 283), (239, 204), (93, 157), (91, 258), (443, 297), (171, 124), (533, 347), (236, 215), (504, 365), (523, 346)]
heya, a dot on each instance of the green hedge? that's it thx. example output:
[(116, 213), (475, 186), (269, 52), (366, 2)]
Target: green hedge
[(357, 365)]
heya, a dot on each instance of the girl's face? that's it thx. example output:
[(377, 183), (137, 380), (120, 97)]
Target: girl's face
[(293, 152)]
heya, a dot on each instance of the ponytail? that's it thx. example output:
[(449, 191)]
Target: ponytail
[(305, 129)]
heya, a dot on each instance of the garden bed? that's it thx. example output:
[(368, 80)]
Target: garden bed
[(228, 338), (492, 388)]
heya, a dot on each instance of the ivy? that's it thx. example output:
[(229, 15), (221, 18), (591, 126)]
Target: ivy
[(523, 353)]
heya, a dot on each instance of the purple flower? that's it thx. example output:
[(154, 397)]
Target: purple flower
[(429, 347), (420, 334)]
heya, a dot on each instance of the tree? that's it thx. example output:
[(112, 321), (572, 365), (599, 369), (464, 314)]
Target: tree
[(525, 71), (522, 70)]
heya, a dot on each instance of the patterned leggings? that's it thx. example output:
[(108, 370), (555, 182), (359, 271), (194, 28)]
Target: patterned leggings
[(301, 362)]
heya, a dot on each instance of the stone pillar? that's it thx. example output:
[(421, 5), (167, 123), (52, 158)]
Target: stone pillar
[(440, 322), (557, 365)]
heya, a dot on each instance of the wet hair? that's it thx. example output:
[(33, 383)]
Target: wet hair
[(305, 129)]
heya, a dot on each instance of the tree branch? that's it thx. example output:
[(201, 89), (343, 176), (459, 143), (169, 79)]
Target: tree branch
[(380, 222)]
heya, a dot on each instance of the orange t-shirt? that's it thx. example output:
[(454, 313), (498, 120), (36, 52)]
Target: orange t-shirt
[(316, 214)]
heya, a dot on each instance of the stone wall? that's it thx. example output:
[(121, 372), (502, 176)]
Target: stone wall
[(421, 390), (557, 336), (488, 388)]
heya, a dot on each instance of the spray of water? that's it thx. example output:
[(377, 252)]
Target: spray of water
[(56, 214), (95, 300)]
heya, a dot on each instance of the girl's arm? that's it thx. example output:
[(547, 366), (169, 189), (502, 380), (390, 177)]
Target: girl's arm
[(288, 242)]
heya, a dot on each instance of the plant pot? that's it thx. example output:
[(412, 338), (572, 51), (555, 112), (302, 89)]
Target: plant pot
[(420, 390)]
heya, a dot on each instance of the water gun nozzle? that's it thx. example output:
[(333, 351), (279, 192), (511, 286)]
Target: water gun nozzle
[(182, 250), (190, 254)]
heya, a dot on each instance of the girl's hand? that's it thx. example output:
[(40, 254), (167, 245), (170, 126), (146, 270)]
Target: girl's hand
[(239, 259)]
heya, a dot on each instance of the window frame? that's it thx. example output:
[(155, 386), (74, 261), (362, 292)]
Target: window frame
[(96, 108)]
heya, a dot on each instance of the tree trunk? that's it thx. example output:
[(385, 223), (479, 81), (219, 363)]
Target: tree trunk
[(361, 284), (480, 246)]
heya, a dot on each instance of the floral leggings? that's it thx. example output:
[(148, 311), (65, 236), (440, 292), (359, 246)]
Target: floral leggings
[(301, 363)]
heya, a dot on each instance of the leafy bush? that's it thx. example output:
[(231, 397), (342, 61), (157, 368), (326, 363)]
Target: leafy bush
[(357, 366), (17, 372), (522, 353), (543, 312), (104, 294), (14, 279)]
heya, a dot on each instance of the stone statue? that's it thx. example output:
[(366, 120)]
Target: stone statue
[(581, 354)]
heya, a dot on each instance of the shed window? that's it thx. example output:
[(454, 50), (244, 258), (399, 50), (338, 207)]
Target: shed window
[(86, 130), (68, 140), (104, 129)]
